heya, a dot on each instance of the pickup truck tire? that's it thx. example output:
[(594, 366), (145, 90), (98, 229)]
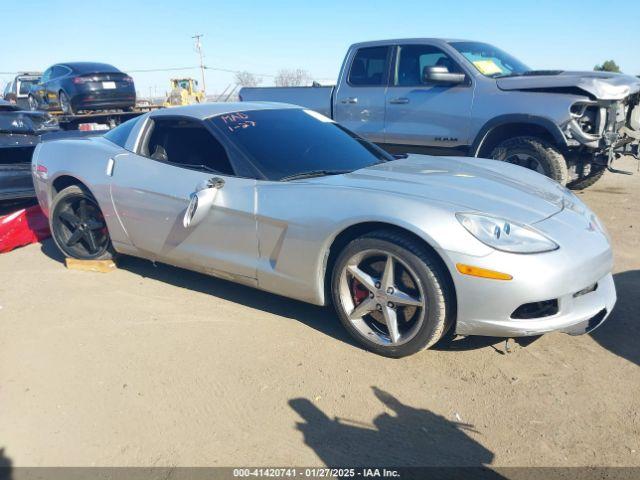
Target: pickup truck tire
[(416, 297), (523, 150), (586, 182)]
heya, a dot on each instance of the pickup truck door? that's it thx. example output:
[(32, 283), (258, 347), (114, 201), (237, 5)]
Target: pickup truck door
[(424, 114), (152, 196), (359, 99)]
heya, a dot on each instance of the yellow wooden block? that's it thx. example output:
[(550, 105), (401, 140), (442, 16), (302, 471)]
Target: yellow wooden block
[(102, 266)]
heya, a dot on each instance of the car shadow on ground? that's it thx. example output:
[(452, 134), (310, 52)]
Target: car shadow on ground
[(322, 319), (620, 332), (407, 437), (499, 344), (319, 318)]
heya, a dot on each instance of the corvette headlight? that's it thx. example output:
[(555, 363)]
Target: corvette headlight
[(505, 235)]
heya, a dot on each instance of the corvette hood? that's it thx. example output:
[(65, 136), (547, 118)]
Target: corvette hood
[(601, 85), (468, 184)]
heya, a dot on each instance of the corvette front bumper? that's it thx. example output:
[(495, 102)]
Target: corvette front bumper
[(576, 279)]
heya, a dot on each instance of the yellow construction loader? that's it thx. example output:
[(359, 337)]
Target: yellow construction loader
[(184, 91)]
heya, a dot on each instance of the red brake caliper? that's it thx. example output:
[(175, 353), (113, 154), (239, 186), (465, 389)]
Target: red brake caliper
[(358, 291)]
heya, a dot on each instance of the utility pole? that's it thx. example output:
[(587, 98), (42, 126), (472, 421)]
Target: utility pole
[(199, 50)]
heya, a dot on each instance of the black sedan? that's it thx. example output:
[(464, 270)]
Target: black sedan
[(72, 87), (20, 132)]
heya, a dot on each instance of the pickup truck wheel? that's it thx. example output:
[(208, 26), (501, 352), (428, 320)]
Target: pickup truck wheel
[(535, 154), (585, 182), (391, 294)]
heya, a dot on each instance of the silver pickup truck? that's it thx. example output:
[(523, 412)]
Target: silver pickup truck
[(456, 97)]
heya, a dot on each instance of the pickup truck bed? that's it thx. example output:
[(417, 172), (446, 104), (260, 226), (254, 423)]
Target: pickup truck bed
[(314, 98)]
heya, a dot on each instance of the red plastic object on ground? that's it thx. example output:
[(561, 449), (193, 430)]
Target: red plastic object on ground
[(27, 225)]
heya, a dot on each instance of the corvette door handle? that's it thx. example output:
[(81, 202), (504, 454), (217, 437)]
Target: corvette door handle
[(349, 100), (399, 101), (215, 182), (110, 164)]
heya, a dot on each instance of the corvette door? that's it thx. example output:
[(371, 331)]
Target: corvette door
[(153, 196)]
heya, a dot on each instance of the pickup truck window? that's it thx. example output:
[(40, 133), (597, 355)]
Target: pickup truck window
[(289, 142), (489, 60), (412, 60), (369, 67), (25, 86)]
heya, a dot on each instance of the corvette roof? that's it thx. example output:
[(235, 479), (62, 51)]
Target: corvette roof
[(207, 110)]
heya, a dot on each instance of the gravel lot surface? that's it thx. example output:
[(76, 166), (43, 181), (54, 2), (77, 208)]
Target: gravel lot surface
[(160, 366)]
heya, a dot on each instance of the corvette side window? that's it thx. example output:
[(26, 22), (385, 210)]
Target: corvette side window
[(187, 143), (120, 134)]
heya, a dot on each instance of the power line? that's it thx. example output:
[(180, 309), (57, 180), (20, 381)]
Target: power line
[(195, 67), (170, 69)]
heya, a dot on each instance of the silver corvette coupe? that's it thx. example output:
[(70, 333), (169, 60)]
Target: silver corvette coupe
[(286, 200)]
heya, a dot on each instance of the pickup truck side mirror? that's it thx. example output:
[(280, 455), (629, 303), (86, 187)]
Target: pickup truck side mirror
[(441, 75)]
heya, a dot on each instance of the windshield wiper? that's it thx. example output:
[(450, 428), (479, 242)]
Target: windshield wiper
[(204, 167), (313, 173)]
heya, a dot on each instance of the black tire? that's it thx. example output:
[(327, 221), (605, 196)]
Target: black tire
[(91, 225), (585, 182), (65, 103), (33, 103), (551, 161), (439, 315)]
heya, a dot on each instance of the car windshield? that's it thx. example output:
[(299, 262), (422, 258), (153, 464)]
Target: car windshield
[(285, 144), (25, 85), (489, 60)]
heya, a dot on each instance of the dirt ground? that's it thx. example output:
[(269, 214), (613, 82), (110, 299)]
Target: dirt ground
[(157, 366)]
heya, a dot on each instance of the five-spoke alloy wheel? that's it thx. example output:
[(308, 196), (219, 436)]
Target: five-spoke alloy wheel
[(391, 293), (78, 226)]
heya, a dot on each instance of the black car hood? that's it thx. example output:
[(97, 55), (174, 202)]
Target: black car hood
[(26, 122)]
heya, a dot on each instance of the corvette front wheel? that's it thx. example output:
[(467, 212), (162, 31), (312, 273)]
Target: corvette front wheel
[(392, 294)]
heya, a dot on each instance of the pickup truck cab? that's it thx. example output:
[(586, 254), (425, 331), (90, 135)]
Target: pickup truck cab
[(465, 98)]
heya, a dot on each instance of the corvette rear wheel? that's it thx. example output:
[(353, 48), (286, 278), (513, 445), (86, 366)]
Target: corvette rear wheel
[(391, 294), (78, 226)]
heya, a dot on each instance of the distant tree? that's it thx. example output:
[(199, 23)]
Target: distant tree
[(292, 78), (608, 66), (247, 79)]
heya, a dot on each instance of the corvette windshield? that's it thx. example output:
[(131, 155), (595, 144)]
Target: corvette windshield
[(286, 144), (489, 60)]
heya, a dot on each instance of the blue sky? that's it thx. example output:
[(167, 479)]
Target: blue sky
[(265, 36)]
